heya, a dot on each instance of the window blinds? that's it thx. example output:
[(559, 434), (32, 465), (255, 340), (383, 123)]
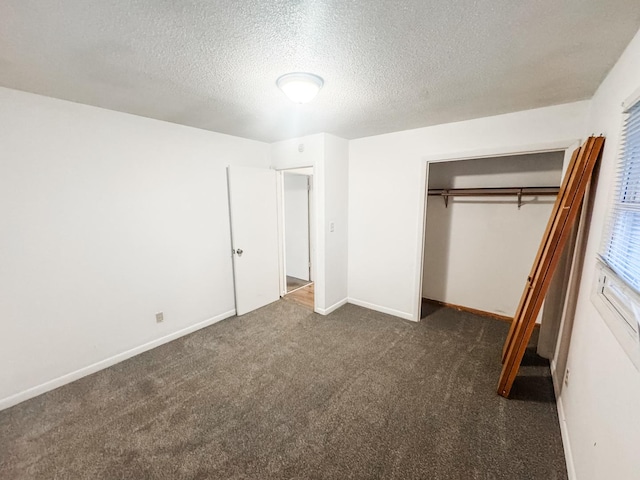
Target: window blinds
[(621, 250)]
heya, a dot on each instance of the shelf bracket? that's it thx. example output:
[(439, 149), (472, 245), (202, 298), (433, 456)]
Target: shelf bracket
[(519, 198)]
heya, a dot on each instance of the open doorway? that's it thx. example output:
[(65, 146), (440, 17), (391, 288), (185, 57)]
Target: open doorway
[(297, 208)]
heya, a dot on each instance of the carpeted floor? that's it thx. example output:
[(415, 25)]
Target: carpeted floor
[(283, 393)]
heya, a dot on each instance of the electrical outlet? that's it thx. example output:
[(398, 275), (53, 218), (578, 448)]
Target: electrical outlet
[(566, 378), (159, 317)]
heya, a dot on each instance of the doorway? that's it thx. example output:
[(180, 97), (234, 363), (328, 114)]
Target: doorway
[(297, 208)]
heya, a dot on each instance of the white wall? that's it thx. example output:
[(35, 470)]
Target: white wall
[(336, 199), (298, 152), (328, 155), (107, 218), (479, 250), (296, 222), (387, 178), (601, 403)]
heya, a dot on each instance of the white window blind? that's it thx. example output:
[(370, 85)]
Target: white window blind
[(621, 249)]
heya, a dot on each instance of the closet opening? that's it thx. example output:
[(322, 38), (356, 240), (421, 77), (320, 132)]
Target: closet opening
[(485, 218), (477, 250)]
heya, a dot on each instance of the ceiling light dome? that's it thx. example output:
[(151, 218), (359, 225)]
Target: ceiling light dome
[(300, 87)]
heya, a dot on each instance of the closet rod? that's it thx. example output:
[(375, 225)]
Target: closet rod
[(445, 193)]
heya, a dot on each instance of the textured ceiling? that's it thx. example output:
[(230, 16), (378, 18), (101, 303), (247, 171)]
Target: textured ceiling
[(387, 65)]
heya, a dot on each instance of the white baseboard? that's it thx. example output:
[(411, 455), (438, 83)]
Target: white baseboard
[(566, 442), (378, 308), (554, 378), (571, 469), (107, 362), (335, 306)]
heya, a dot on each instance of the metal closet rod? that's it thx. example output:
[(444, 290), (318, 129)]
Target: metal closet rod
[(445, 193)]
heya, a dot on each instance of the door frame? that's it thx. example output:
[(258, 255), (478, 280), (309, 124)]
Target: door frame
[(313, 227), (566, 146)]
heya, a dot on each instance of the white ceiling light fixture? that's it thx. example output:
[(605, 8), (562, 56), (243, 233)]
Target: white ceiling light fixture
[(300, 87)]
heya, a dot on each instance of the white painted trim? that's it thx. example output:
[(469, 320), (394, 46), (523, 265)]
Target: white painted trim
[(332, 308), (564, 431), (631, 100), (293, 169), (552, 368), (281, 233), (107, 362), (308, 171), (378, 308), (422, 226), (282, 248), (501, 151)]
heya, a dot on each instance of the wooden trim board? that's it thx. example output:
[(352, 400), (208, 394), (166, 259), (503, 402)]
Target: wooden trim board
[(461, 308)]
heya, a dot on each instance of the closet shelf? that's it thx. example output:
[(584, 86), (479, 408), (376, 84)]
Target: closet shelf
[(493, 192)]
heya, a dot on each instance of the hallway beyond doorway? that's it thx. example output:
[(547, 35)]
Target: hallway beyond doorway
[(303, 295)]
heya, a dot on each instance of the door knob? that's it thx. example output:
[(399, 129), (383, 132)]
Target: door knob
[(239, 252)]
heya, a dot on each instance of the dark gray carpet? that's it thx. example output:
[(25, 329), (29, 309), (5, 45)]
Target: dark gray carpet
[(286, 393)]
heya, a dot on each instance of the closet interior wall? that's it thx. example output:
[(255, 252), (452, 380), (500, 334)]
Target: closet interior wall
[(478, 250)]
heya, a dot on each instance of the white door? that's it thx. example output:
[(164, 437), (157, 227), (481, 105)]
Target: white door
[(254, 236)]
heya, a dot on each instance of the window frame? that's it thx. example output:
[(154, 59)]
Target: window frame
[(617, 300)]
